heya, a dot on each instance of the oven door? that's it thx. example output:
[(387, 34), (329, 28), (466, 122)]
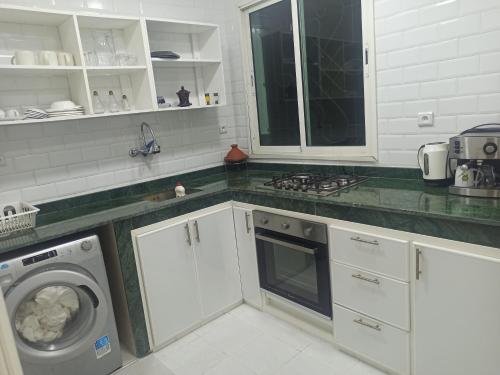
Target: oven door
[(295, 269)]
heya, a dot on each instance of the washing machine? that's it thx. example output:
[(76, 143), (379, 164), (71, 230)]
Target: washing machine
[(59, 304)]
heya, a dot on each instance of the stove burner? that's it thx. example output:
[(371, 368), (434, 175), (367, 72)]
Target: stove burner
[(313, 183)]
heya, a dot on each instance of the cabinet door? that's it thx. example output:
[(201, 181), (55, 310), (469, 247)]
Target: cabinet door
[(247, 256), (169, 279), (457, 313), (216, 260)]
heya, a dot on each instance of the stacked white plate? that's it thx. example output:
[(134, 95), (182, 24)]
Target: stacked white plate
[(65, 108)]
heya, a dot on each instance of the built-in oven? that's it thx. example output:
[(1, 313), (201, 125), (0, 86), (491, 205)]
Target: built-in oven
[(293, 260)]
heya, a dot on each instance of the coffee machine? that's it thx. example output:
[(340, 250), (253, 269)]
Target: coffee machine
[(477, 155)]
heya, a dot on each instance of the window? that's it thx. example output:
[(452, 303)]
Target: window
[(311, 86)]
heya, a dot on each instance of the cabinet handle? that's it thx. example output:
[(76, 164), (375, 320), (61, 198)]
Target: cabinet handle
[(360, 321), (361, 277), (418, 271), (247, 221), (197, 230), (188, 234), (359, 239)]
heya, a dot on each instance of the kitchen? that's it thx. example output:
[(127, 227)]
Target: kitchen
[(251, 187)]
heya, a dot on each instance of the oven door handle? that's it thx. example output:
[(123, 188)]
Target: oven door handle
[(302, 249)]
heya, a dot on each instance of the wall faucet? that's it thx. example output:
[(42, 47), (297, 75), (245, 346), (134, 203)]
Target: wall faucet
[(148, 148)]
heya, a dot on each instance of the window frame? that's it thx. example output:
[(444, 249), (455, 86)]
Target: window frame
[(368, 152)]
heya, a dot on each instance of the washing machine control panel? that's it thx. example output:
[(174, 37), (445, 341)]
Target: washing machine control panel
[(39, 257)]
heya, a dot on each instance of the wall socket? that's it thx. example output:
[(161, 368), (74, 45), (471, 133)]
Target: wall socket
[(426, 119), (222, 130), (3, 161)]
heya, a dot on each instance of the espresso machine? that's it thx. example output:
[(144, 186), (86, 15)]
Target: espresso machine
[(477, 155)]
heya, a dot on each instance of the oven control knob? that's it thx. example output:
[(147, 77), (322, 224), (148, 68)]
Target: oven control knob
[(285, 226), (86, 245), (264, 221), (308, 231), (490, 148)]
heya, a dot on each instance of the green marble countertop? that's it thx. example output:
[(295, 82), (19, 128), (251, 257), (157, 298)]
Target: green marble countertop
[(381, 194)]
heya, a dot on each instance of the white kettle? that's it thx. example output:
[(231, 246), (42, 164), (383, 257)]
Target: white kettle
[(434, 163)]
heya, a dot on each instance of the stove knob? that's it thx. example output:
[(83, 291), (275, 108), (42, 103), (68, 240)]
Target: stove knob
[(264, 221), (285, 226), (86, 245), (308, 231)]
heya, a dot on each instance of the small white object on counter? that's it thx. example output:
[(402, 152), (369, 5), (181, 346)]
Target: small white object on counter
[(180, 191)]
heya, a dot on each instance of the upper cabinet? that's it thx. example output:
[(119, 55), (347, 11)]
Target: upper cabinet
[(103, 64), (198, 68)]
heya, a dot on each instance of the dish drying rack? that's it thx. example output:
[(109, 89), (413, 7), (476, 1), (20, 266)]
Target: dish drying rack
[(15, 217)]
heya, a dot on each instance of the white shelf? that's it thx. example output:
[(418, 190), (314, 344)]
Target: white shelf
[(70, 118), (191, 107), (182, 63), (199, 68), (38, 70), (113, 70)]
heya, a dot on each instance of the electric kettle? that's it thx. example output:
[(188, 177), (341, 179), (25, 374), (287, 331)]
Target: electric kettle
[(434, 163)]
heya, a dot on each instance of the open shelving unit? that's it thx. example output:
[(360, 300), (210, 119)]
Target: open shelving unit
[(199, 68)]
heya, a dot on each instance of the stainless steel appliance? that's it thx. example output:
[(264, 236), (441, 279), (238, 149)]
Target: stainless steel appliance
[(478, 162), (293, 260), (433, 161), (59, 305), (315, 184)]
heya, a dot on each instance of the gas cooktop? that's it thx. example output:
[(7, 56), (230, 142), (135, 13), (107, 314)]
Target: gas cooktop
[(314, 184)]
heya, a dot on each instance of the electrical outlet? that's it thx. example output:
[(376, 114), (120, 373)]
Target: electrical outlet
[(426, 119), (3, 161), (222, 130)]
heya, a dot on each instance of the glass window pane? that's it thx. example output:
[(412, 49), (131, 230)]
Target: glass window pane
[(275, 80), (332, 67)]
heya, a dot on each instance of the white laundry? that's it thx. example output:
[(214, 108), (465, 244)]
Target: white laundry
[(43, 318)]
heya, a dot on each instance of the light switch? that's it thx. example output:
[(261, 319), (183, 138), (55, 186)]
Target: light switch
[(426, 119)]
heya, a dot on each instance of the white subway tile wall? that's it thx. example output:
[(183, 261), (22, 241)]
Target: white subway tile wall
[(55, 160), (439, 56)]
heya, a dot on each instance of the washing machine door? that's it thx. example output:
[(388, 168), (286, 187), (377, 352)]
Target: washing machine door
[(56, 314)]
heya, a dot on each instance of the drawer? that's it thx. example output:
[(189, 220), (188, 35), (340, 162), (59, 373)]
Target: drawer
[(369, 338), (374, 295), (384, 255)]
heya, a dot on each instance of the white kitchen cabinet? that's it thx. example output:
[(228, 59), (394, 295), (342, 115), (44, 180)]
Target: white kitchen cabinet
[(385, 255), (189, 271), (247, 256), (169, 280), (377, 296), (379, 342), (457, 312), (216, 260), (199, 68)]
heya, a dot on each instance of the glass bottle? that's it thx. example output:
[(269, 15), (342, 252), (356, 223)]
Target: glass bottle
[(125, 103), (97, 103), (113, 105)]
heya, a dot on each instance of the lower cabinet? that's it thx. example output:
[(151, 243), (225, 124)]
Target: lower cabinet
[(371, 295), (247, 256), (189, 271), (457, 312), (370, 338)]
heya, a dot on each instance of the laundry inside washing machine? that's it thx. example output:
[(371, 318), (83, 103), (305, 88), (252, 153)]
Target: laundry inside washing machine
[(59, 304)]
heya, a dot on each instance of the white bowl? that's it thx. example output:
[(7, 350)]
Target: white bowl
[(64, 104)]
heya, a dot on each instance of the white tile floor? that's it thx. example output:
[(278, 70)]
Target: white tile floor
[(246, 341)]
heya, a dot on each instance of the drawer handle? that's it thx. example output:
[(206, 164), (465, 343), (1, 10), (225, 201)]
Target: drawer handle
[(359, 239), (367, 279), (360, 321)]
